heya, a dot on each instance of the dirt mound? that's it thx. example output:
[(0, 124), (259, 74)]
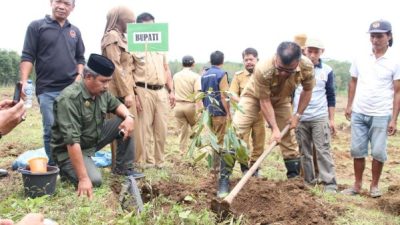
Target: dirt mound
[(200, 194), (260, 201), (390, 202), (284, 202)]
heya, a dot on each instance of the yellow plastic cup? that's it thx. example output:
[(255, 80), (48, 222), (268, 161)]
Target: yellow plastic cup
[(38, 165)]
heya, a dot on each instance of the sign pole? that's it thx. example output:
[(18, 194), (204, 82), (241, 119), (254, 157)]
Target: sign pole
[(146, 65)]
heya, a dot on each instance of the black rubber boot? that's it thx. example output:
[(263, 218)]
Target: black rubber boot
[(223, 183), (293, 168), (223, 187), (256, 173), (244, 168)]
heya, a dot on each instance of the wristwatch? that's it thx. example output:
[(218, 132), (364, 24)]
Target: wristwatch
[(298, 115)]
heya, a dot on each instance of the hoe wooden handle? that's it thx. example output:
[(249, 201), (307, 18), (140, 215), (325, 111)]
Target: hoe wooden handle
[(229, 198)]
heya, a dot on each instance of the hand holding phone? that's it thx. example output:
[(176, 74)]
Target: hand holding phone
[(17, 92)]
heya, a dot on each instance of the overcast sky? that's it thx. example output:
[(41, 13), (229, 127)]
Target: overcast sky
[(198, 27)]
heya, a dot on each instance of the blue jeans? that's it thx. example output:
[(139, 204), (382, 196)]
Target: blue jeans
[(365, 129), (46, 101)]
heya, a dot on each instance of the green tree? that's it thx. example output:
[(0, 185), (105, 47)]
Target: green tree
[(175, 66), (9, 67), (229, 67), (342, 76)]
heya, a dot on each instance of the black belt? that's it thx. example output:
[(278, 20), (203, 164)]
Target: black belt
[(150, 86), (183, 101)]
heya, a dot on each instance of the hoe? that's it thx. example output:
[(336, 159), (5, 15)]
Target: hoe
[(222, 208)]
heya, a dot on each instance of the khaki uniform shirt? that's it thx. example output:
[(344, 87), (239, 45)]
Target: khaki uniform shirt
[(78, 118), (224, 85), (149, 68), (266, 83), (184, 82), (115, 48), (197, 85), (239, 82)]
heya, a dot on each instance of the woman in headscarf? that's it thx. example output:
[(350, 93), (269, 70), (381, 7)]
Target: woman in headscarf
[(115, 47)]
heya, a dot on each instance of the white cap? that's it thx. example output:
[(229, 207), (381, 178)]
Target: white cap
[(315, 43)]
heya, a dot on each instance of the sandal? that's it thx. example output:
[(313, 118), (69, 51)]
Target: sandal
[(375, 192), (350, 191)]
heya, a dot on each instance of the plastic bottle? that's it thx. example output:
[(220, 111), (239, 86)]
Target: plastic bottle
[(48, 221), (29, 94)]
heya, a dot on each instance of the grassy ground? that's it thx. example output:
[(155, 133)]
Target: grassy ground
[(67, 208)]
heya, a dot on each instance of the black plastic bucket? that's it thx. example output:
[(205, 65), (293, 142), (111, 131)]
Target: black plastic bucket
[(39, 184)]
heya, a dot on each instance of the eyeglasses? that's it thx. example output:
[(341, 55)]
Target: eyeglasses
[(281, 69)]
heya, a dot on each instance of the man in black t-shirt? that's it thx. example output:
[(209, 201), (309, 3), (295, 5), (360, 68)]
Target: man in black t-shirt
[(56, 49)]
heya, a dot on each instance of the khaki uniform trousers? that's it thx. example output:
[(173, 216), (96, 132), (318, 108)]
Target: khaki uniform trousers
[(256, 130), (283, 112), (137, 134), (185, 114), (218, 126), (153, 123)]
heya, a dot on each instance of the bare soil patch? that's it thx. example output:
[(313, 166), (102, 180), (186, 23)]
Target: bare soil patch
[(391, 201), (261, 201)]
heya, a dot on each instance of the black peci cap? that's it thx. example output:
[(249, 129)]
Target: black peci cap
[(101, 65), (187, 59)]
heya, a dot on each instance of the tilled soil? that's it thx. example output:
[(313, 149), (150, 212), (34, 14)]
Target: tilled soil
[(260, 201), (390, 202)]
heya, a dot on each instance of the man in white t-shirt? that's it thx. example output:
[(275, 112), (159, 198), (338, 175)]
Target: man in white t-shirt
[(373, 105)]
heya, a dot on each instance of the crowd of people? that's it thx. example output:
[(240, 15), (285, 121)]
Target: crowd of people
[(296, 87), (124, 98)]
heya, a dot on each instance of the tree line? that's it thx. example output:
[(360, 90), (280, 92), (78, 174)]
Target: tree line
[(9, 69), (340, 69)]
